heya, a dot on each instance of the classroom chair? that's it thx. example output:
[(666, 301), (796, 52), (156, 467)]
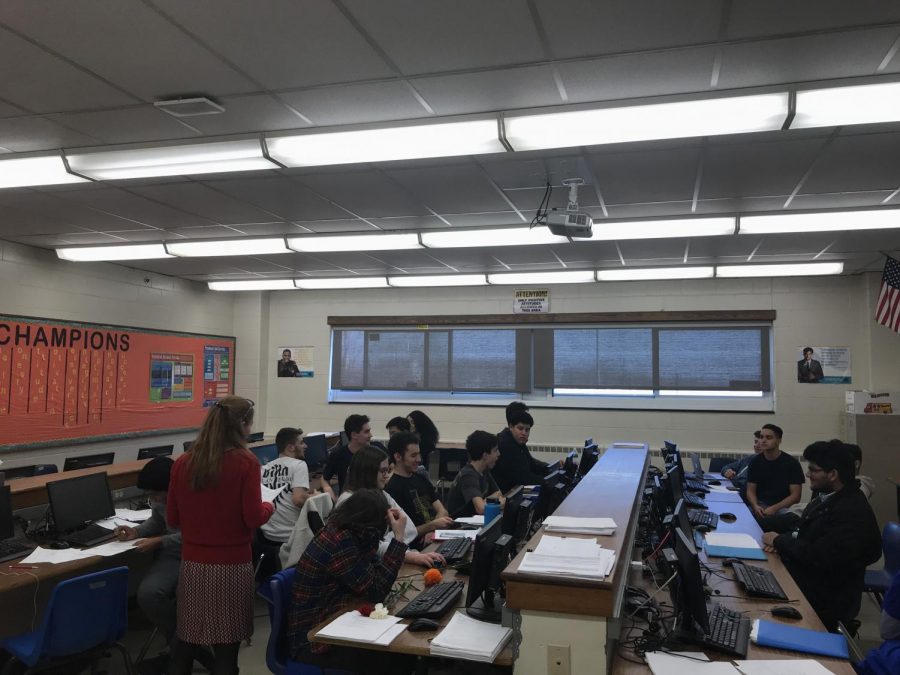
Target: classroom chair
[(877, 581), (450, 461), (68, 633)]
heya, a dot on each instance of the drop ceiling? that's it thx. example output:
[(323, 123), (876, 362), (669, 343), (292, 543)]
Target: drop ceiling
[(87, 74)]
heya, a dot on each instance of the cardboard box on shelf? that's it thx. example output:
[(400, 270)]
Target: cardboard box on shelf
[(872, 402)]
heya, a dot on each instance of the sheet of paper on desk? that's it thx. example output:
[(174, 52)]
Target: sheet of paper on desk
[(786, 667), (555, 565), (687, 663), (569, 547), (573, 525), (113, 523), (52, 555), (134, 516), (353, 626), (269, 494), (443, 535), (731, 540), (111, 548), (470, 520), (468, 638)]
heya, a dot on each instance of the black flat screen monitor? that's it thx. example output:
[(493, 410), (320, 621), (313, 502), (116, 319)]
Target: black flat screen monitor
[(669, 448), (675, 486), (187, 445), (553, 491), (265, 453), (492, 552), (7, 527), (680, 519), (570, 466), (316, 453), (589, 457), (511, 510), (156, 451), (20, 472), (76, 502), (88, 461), (688, 595), (256, 436)]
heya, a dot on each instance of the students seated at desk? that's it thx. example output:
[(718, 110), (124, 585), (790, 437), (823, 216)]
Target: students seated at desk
[(370, 470), (342, 569), (774, 478), (412, 489), (836, 538), (422, 426), (516, 466), (885, 659), (474, 483), (215, 498), (736, 471), (359, 433)]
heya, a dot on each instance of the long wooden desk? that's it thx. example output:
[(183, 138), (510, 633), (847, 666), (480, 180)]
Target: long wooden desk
[(33, 491)]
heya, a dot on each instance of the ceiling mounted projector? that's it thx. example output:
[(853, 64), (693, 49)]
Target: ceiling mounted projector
[(572, 222)]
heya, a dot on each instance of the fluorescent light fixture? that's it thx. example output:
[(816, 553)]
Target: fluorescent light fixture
[(29, 171), (662, 229), (835, 221), (253, 285), (787, 270), (343, 282), (113, 253), (534, 278), (442, 139), (438, 280), (361, 242), (656, 273), (680, 119), (220, 247), (710, 392), (171, 160), (602, 392), (859, 104), (506, 236)]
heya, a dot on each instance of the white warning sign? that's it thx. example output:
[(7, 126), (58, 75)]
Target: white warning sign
[(532, 301)]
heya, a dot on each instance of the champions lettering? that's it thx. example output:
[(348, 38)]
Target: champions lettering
[(29, 335)]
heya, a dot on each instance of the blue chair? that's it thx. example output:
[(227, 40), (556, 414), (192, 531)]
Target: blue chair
[(278, 595), (878, 581), (84, 617)]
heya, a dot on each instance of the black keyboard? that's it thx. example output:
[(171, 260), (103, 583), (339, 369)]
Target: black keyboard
[(14, 548), (707, 518), (698, 485), (434, 602), (758, 581), (455, 550), (693, 500), (89, 536), (729, 631)]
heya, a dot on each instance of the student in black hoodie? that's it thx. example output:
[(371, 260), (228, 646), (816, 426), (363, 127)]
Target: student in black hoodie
[(516, 466)]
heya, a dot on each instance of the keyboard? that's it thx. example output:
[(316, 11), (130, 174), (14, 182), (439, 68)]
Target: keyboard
[(707, 518), (729, 631), (15, 548), (434, 602), (455, 550), (698, 485), (89, 536), (693, 500), (758, 581)]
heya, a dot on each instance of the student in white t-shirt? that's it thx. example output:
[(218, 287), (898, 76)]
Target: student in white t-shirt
[(288, 472)]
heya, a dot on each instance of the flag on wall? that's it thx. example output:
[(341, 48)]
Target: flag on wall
[(887, 307)]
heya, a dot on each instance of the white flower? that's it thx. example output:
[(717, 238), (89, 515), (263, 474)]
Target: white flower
[(380, 612)]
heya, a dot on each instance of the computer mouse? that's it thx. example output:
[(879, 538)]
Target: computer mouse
[(713, 482), (58, 544), (702, 528), (733, 488), (786, 612), (728, 562), (420, 625), (727, 517)]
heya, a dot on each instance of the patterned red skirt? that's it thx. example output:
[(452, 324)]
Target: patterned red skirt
[(215, 603)]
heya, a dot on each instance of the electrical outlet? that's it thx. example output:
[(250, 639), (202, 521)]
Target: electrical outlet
[(559, 660)]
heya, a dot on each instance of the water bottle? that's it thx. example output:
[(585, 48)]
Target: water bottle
[(491, 510)]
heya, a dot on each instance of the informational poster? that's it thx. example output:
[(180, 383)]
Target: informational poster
[(62, 380), (531, 301), (295, 362), (823, 365)]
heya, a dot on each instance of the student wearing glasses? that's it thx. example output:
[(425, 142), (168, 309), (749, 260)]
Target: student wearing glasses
[(370, 469)]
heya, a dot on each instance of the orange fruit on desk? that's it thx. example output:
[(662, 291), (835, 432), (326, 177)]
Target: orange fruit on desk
[(432, 577)]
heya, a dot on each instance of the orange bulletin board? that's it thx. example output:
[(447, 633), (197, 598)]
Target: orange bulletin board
[(66, 381)]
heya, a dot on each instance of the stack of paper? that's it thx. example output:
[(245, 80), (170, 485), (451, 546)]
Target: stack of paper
[(733, 545), (573, 525), (471, 520), (443, 535), (792, 667), (566, 556), (355, 627), (134, 516), (468, 638)]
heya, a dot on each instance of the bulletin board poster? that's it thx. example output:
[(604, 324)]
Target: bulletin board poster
[(63, 380)]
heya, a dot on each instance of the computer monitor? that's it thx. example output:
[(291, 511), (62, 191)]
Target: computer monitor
[(20, 472), (669, 448), (588, 442), (256, 436), (187, 445), (688, 595), (680, 519), (675, 486), (698, 466), (511, 510), (493, 551), (570, 466), (553, 491), (156, 451), (316, 452), (7, 526), (76, 502), (265, 453), (88, 461), (589, 457)]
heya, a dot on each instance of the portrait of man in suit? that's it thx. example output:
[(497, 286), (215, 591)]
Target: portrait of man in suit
[(809, 371)]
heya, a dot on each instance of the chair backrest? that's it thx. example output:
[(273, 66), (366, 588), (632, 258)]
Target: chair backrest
[(315, 522), (279, 597), (890, 543), (85, 612), (716, 463), (450, 461)]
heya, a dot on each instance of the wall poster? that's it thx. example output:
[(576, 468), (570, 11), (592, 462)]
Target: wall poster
[(823, 365), (295, 362)]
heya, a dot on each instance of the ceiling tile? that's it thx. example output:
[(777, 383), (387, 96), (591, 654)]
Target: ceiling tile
[(29, 134), (648, 249), (451, 189), (859, 162), (369, 194), (710, 248), (280, 196), (375, 102), (600, 252), (248, 114), (70, 239), (135, 208), (143, 123), (409, 223), (493, 219), (649, 210), (204, 201), (839, 200), (771, 17), (422, 37), (335, 226), (282, 43), (862, 241), (490, 90), (804, 244), (49, 84), (642, 177), (37, 207), (88, 31), (526, 255)]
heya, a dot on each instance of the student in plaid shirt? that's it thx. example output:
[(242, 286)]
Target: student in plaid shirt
[(341, 569)]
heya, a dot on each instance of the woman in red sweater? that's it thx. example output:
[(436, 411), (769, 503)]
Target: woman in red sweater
[(215, 499)]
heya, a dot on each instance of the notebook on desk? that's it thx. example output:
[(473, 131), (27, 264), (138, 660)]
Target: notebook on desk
[(794, 638)]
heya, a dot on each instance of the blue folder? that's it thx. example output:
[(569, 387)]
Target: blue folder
[(735, 552), (782, 636)]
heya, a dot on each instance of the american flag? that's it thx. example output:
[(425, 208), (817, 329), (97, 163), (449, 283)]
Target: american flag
[(887, 308)]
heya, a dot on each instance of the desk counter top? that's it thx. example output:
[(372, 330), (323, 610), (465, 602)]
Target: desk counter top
[(33, 491)]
